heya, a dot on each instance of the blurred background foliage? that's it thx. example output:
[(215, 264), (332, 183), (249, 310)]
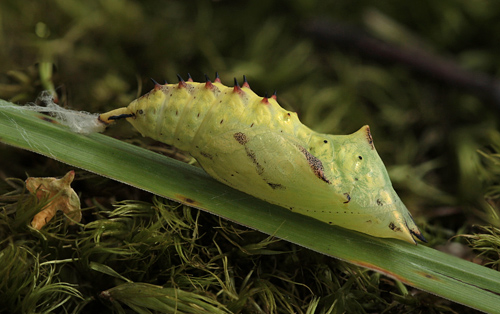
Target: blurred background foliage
[(336, 63)]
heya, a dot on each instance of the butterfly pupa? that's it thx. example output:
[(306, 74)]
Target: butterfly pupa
[(253, 145)]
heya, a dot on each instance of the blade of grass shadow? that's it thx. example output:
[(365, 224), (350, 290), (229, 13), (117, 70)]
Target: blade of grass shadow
[(418, 266)]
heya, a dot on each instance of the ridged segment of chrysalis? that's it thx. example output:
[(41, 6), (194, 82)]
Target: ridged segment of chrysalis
[(252, 144)]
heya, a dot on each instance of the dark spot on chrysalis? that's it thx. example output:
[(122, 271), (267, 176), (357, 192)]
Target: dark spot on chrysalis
[(198, 115), (140, 111), (177, 112), (325, 141), (206, 155), (275, 186), (258, 167), (360, 157), (221, 121), (315, 164), (348, 198), (393, 227), (251, 125), (379, 202), (241, 138), (369, 137), (121, 116)]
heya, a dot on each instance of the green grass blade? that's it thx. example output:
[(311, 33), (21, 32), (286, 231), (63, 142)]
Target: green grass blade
[(418, 266)]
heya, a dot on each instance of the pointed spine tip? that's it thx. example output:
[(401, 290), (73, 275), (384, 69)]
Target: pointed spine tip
[(245, 82), (275, 95), (217, 78), (190, 79), (237, 88), (265, 100), (208, 83), (157, 85), (419, 235), (182, 83)]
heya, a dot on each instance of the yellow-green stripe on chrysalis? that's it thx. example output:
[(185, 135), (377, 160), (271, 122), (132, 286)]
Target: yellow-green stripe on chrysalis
[(252, 144)]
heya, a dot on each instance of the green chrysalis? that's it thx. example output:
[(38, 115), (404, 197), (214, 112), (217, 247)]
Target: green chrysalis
[(252, 144)]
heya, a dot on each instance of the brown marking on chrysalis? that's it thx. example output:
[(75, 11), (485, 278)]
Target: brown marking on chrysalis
[(393, 227), (251, 155), (275, 186), (206, 155), (369, 137), (315, 164), (265, 101), (241, 138), (186, 200)]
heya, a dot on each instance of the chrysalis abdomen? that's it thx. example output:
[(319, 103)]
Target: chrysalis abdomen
[(252, 144)]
